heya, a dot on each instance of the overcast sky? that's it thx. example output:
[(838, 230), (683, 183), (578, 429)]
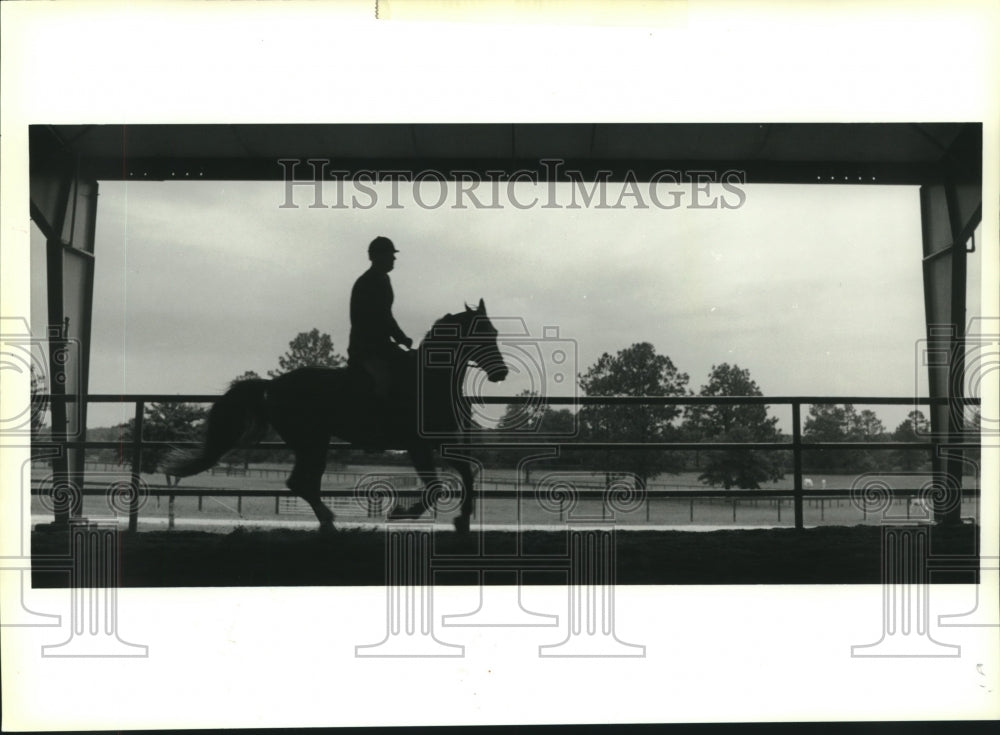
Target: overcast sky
[(814, 289)]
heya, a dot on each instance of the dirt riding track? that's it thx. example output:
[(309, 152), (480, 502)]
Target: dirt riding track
[(824, 555)]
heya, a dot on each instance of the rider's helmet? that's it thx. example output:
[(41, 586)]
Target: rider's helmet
[(381, 245)]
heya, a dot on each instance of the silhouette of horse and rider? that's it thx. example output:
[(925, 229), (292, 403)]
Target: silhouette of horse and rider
[(388, 397)]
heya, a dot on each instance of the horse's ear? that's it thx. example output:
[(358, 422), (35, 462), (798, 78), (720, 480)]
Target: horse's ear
[(482, 307), (467, 307)]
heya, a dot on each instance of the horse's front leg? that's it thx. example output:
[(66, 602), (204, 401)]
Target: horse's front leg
[(423, 462), (463, 520)]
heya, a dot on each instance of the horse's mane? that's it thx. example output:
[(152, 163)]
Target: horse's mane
[(448, 319)]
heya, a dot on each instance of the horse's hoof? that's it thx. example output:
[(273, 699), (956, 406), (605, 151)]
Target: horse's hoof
[(326, 529), (462, 524)]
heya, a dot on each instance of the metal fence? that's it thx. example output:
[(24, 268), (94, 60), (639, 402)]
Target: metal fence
[(482, 440)]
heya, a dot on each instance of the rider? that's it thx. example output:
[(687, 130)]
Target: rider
[(375, 336)]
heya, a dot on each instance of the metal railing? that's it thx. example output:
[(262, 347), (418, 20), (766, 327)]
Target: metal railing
[(481, 439)]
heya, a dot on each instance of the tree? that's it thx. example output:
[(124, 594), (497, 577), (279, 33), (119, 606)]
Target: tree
[(165, 422), (742, 468), (306, 350), (913, 428), (865, 426), (973, 423), (842, 423), (39, 403), (532, 419), (634, 371)]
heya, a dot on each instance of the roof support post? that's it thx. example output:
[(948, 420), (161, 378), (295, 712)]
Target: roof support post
[(64, 206), (950, 212)]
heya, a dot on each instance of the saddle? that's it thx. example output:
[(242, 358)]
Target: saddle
[(402, 389)]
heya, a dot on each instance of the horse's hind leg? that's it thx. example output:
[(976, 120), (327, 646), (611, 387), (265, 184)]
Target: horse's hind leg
[(463, 520), (307, 477)]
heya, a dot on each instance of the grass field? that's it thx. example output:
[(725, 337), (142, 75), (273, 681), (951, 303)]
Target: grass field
[(222, 508), (224, 542)]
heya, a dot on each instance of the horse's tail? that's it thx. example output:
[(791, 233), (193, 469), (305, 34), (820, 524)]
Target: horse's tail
[(236, 419)]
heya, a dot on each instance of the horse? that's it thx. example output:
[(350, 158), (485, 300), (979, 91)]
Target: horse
[(309, 405)]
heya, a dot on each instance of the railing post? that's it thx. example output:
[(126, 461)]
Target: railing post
[(133, 511), (797, 460)]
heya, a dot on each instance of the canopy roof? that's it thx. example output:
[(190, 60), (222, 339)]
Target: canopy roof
[(886, 153)]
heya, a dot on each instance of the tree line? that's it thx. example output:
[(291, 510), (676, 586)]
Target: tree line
[(639, 371)]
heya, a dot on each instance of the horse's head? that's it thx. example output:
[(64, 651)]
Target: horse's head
[(482, 336), (475, 337)]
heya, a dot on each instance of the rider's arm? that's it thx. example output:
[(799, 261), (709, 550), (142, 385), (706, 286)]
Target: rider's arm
[(397, 334)]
